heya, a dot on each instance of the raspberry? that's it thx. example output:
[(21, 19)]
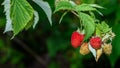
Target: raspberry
[(76, 39), (84, 49), (107, 49), (96, 42)]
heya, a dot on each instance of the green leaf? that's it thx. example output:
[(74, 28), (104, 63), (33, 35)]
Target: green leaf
[(84, 7), (33, 22), (88, 23), (92, 14), (99, 12), (29, 24), (103, 27), (88, 7), (7, 9), (46, 8), (36, 19), (21, 14), (96, 6), (98, 32), (63, 5)]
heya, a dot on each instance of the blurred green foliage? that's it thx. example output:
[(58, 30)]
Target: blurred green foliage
[(55, 40)]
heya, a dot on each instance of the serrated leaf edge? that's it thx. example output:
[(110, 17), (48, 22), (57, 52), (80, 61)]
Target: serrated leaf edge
[(7, 7)]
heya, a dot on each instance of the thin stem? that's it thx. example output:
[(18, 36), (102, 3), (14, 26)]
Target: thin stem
[(37, 57), (75, 13)]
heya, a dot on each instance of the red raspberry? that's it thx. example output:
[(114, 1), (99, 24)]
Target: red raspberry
[(96, 42), (76, 39)]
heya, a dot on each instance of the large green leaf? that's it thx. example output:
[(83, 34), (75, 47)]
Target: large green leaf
[(88, 23), (63, 5), (21, 14)]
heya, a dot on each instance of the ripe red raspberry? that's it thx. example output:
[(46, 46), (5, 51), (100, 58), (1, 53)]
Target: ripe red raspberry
[(76, 39), (96, 42)]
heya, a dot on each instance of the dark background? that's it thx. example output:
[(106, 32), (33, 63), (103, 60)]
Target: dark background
[(49, 46)]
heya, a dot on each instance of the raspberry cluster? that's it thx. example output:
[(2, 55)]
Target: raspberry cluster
[(98, 43)]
